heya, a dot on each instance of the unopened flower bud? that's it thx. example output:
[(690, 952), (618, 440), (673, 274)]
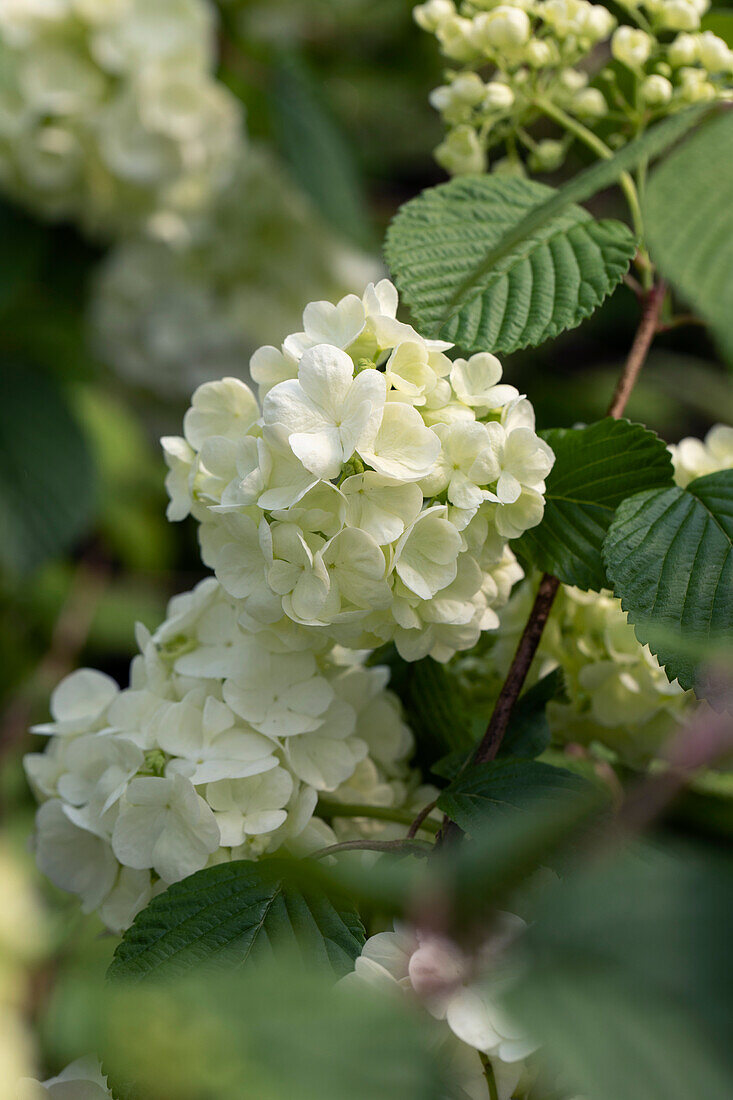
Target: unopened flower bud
[(469, 88), (538, 53), (504, 28), (572, 79), (498, 96), (677, 15), (631, 47), (455, 37), (656, 91), (432, 14), (589, 103), (684, 50), (714, 53), (598, 22), (547, 156), (461, 153)]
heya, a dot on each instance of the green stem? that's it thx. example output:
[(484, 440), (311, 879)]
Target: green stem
[(490, 1077), (592, 141), (328, 809)]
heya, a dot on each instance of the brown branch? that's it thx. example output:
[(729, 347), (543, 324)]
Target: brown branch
[(639, 350), (549, 585), (420, 819)]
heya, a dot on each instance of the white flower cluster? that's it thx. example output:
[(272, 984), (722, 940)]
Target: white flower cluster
[(82, 1079), (169, 315), (539, 54), (109, 111), (216, 751), (371, 496), (434, 971), (617, 694)]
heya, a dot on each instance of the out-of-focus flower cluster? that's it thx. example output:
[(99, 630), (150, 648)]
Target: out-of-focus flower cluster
[(616, 693), (371, 496), (109, 111), (169, 315), (514, 61), (465, 993), (216, 751)]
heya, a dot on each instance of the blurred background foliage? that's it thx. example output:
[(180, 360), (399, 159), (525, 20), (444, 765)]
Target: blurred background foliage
[(101, 346)]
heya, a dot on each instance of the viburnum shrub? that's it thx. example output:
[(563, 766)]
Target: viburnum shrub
[(411, 582)]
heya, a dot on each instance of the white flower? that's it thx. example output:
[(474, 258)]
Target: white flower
[(73, 858), (179, 457), (476, 382), (327, 411), (79, 703), (82, 1080), (381, 506), (402, 447), (467, 460), (280, 695), (330, 754), (208, 745), (338, 325), (656, 90), (694, 458), (97, 767), (249, 807), (356, 569), (227, 408), (426, 555), (165, 825)]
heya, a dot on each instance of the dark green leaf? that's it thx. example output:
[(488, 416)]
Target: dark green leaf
[(688, 211), (47, 491), (21, 250), (627, 976), (547, 282), (226, 915), (669, 554), (595, 469), (484, 791), (317, 152)]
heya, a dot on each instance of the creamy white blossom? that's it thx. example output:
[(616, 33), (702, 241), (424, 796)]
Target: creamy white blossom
[(694, 458), (112, 114), (83, 1079), (217, 750), (463, 992), (342, 507)]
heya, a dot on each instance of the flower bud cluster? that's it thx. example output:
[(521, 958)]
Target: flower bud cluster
[(371, 495), (217, 750), (460, 992), (616, 692), (169, 315), (111, 115), (513, 61)]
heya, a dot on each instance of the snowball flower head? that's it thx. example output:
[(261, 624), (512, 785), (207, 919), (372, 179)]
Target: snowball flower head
[(340, 508), (217, 750)]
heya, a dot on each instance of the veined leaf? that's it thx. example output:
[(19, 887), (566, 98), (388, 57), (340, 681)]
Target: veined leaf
[(500, 787), (595, 469), (225, 915), (669, 553), (688, 213), (548, 281), (47, 490)]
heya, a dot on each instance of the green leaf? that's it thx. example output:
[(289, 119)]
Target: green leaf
[(688, 211), (21, 251), (226, 915), (548, 281), (595, 469), (318, 154), (280, 1031), (626, 977), (47, 489), (669, 554), (484, 791), (437, 713)]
